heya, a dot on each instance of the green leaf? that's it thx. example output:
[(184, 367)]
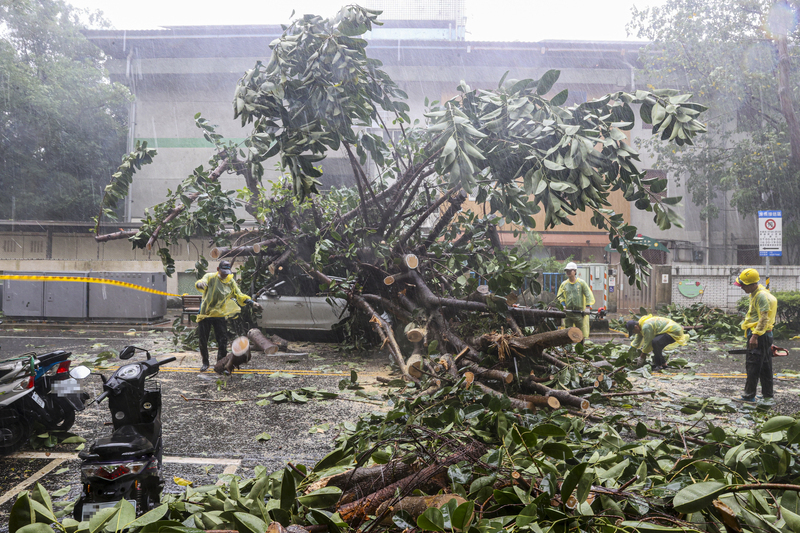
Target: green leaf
[(463, 515), (571, 481), (560, 98), (321, 498), (150, 517), (431, 520), (247, 522), (101, 517), (549, 430), (35, 528), (698, 496), (557, 450), (777, 423), (288, 490), (636, 525), (548, 80)]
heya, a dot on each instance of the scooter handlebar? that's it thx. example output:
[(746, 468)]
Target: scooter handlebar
[(167, 360), (101, 397)]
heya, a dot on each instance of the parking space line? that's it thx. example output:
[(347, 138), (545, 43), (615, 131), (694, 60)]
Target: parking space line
[(31, 480), (174, 459), (230, 470), (202, 460)]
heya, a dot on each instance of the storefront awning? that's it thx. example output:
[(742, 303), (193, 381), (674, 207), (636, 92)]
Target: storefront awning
[(651, 243)]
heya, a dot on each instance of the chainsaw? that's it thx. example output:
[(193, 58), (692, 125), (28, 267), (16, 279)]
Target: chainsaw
[(777, 351)]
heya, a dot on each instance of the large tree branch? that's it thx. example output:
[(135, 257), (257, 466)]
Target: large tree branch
[(173, 214)]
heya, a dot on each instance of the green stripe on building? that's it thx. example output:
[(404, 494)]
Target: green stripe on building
[(181, 142)]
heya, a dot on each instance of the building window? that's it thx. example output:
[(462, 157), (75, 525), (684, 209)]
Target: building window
[(747, 254), (9, 245), (659, 174), (37, 247), (562, 253), (655, 257)]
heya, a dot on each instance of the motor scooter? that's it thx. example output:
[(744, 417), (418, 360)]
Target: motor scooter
[(127, 464), (37, 389), (59, 388)]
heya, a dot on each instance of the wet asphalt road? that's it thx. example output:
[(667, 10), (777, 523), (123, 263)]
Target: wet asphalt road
[(215, 427), (212, 425)]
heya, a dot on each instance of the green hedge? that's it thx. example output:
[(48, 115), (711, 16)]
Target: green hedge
[(788, 317)]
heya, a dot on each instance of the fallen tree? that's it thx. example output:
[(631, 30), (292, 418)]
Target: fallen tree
[(400, 236)]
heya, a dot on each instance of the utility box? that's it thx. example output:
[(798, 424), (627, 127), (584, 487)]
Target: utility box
[(23, 298), (66, 299), (596, 276), (114, 302)]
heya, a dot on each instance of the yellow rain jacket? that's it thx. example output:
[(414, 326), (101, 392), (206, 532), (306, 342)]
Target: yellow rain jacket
[(651, 327), (221, 298), (760, 316), (576, 296)]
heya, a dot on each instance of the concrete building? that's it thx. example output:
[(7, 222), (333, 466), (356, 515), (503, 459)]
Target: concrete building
[(176, 72)]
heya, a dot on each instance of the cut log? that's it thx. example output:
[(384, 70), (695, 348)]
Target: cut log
[(469, 379), (276, 265), (220, 252), (261, 342), (541, 401), (414, 363), (487, 373), (415, 505), (361, 482), (565, 397), (415, 333), (283, 344), (516, 403), (356, 512), (548, 339)]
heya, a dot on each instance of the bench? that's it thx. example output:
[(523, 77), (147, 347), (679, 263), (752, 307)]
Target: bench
[(191, 305)]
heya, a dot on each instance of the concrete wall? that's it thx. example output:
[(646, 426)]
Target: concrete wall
[(177, 284), (717, 281)]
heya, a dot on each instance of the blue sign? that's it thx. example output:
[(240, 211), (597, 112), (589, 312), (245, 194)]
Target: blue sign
[(770, 233)]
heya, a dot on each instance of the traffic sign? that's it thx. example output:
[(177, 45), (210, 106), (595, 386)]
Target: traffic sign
[(770, 236)]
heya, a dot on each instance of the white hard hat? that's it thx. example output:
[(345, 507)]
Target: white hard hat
[(571, 266)]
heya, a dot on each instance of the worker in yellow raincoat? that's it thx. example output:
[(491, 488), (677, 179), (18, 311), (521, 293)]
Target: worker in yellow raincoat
[(758, 324), (656, 334), (576, 296), (221, 299)]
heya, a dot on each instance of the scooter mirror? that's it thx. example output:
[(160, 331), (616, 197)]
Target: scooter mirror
[(79, 372), (127, 352)]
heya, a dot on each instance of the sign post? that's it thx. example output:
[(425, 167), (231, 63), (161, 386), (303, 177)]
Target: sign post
[(770, 236)]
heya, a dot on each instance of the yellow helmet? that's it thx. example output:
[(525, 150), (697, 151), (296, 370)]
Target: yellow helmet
[(748, 276)]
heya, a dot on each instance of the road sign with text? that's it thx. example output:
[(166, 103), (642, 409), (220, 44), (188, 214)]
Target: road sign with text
[(770, 239)]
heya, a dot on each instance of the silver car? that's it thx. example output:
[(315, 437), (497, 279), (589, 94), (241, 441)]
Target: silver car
[(295, 306)]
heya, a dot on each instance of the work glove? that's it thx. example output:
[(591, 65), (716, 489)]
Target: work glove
[(201, 285), (255, 305)]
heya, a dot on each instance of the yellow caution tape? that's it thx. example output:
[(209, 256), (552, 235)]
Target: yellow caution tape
[(89, 280)]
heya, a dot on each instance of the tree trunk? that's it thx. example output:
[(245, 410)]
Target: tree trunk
[(357, 511), (415, 506), (563, 396), (550, 402), (261, 342)]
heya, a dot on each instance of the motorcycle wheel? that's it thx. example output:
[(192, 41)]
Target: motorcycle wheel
[(14, 430), (64, 415)]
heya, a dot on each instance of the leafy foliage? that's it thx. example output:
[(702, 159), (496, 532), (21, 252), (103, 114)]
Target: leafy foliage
[(726, 53), (534, 471), (516, 150), (63, 125), (706, 323)]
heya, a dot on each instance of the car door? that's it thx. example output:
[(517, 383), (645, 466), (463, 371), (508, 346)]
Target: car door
[(284, 309)]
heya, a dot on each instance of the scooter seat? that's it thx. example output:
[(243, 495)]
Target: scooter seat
[(126, 441), (49, 358)]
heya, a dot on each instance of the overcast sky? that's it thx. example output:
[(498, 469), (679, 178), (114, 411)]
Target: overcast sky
[(487, 20)]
